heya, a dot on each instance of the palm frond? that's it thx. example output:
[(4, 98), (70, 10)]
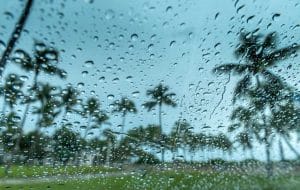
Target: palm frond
[(270, 41), (23, 58), (232, 68), (242, 114), (242, 87), (168, 101), (150, 105), (280, 54)]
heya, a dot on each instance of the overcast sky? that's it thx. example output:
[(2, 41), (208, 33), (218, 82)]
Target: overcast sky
[(137, 44)]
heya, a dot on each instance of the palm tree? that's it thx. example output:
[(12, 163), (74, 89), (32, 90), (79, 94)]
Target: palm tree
[(9, 136), (153, 137), (69, 99), (244, 118), (44, 60), (15, 35), (245, 140), (285, 120), (183, 134), (12, 91), (222, 142), (124, 106), (49, 105), (197, 141), (160, 96), (259, 55), (66, 144), (174, 143), (94, 114), (110, 139)]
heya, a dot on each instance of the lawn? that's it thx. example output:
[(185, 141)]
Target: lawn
[(40, 171), (172, 180)]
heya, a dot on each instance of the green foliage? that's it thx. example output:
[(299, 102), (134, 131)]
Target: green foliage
[(66, 145), (34, 146)]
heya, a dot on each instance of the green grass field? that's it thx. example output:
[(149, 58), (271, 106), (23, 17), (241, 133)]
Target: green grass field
[(40, 171), (171, 180)]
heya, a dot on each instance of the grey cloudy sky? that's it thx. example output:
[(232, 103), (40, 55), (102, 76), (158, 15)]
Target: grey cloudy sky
[(137, 44)]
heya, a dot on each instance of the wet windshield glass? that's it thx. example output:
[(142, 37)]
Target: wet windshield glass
[(181, 94)]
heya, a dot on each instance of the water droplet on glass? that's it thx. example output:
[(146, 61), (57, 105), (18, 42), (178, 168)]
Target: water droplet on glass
[(275, 16), (109, 14), (89, 63), (110, 96), (134, 37), (169, 9), (135, 93), (80, 84), (172, 43), (84, 73)]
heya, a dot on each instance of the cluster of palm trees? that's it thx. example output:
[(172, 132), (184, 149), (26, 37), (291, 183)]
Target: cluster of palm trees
[(53, 104), (264, 102)]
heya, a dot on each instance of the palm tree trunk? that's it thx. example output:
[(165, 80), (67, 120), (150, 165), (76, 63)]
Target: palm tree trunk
[(108, 152), (15, 35), (173, 154), (184, 153), (269, 166), (159, 117), (35, 78), (252, 154), (160, 126), (281, 151), (63, 119), (123, 125), (87, 127), (18, 142), (192, 156), (4, 105), (290, 146)]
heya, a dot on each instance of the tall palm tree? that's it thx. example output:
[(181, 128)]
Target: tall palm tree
[(259, 55), (15, 35), (124, 106), (44, 60), (13, 93), (160, 96)]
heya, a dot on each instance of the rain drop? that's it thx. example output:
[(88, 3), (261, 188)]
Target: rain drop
[(109, 14), (134, 37)]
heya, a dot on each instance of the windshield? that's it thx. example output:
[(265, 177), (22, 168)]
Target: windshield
[(180, 94)]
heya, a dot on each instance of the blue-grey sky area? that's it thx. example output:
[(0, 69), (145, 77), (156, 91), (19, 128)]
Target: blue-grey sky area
[(136, 44)]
